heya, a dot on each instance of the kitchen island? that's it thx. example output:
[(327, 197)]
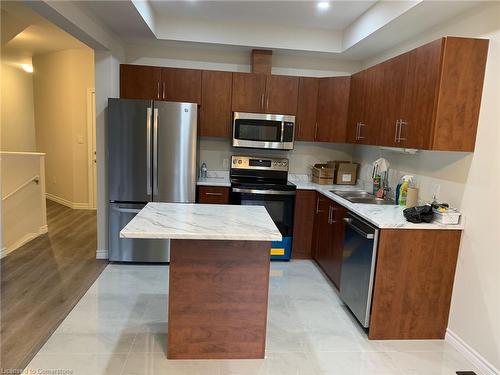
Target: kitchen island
[(218, 277)]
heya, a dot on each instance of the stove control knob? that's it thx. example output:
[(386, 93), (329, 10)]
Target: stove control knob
[(284, 163), (234, 161), (239, 161)]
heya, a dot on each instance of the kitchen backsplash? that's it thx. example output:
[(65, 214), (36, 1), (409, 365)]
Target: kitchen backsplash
[(436, 173), (214, 152)]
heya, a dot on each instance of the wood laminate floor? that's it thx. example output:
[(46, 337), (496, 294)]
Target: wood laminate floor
[(43, 280)]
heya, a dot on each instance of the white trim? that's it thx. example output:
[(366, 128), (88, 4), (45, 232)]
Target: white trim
[(101, 254), (67, 203), (485, 367), (22, 153), (91, 131), (29, 237)]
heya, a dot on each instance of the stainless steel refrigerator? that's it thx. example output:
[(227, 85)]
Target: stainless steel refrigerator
[(151, 158)]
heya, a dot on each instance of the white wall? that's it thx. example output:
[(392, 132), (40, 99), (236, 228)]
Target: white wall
[(471, 182), (213, 151), (61, 83), (17, 109)]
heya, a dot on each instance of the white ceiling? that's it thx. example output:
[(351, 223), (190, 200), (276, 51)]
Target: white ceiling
[(35, 36), (302, 14)]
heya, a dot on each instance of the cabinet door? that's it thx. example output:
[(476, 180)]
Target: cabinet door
[(333, 101), (140, 82), (181, 85), (215, 110), (303, 224), (320, 229), (306, 109), (337, 247), (356, 114), (213, 195), (394, 86), (248, 92), (281, 94), (369, 129), (421, 95)]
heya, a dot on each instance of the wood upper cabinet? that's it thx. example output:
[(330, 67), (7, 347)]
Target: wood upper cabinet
[(215, 109), (155, 83), (333, 102), (281, 94), (181, 85), (365, 101), (303, 224), (140, 82), (248, 92), (264, 93), (305, 121), (432, 95)]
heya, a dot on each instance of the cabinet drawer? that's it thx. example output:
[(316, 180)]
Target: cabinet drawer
[(212, 194)]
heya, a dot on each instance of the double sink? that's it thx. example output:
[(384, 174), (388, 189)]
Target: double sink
[(362, 197)]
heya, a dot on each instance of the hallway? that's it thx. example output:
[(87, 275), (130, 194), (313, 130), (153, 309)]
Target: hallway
[(44, 279)]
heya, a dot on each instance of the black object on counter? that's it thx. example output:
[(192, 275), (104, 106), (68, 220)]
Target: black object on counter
[(419, 214)]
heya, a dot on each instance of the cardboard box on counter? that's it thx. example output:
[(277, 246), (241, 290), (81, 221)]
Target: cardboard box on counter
[(323, 174), (346, 172)]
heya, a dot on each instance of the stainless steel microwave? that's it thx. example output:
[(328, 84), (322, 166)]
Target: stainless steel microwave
[(260, 130)]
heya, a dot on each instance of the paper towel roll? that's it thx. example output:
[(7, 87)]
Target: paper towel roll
[(412, 197)]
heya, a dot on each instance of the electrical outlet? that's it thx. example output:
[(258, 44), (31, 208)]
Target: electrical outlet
[(225, 163)]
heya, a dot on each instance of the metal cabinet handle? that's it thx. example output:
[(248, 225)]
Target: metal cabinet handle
[(357, 131), (148, 150), (361, 124), (158, 90), (262, 102), (329, 214), (164, 96), (267, 103), (396, 132), (401, 123), (316, 131), (213, 194)]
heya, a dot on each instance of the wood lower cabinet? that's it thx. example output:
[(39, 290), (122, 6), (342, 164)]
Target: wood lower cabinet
[(413, 283), (333, 104), (329, 237), (305, 121), (215, 109), (213, 195), (303, 224), (140, 82)]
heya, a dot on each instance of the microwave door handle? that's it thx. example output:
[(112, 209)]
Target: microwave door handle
[(282, 131)]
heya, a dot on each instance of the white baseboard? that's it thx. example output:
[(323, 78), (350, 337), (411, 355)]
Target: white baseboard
[(67, 203), (474, 357), (101, 254), (24, 240)]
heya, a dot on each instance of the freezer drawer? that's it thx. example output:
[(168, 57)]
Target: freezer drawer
[(132, 250)]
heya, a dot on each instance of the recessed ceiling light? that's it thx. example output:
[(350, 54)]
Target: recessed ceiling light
[(323, 5), (28, 68)]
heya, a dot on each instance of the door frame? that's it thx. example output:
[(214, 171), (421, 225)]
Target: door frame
[(91, 148)]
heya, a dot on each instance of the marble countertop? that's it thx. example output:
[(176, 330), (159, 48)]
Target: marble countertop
[(384, 217), (202, 222)]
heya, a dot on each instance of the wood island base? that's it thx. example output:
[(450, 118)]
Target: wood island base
[(218, 294)]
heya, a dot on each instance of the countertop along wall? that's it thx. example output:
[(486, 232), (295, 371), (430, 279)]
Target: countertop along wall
[(469, 181)]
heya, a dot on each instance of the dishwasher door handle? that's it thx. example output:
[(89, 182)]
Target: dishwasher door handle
[(360, 231)]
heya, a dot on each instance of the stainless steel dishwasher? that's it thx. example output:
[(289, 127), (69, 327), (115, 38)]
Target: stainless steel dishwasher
[(358, 266)]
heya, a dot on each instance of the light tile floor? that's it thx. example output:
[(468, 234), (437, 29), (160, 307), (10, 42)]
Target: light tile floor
[(119, 327)]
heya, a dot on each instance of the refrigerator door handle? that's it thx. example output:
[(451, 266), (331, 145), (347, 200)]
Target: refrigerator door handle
[(148, 150), (155, 152)]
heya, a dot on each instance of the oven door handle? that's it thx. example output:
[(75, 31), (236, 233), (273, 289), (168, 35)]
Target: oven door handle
[(263, 192)]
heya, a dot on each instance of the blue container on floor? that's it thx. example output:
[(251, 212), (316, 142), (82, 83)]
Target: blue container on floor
[(281, 250)]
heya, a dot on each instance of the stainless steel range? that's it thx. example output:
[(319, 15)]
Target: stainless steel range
[(264, 182)]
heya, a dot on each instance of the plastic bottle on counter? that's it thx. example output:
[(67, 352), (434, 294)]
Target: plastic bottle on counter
[(403, 190)]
